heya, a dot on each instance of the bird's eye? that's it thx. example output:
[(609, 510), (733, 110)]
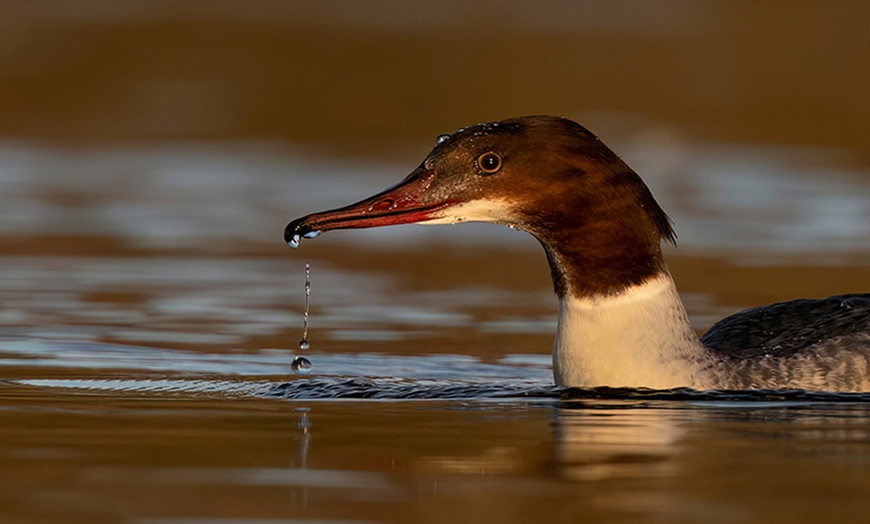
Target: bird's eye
[(489, 163)]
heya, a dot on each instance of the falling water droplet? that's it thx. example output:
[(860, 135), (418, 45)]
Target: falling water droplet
[(301, 366), (304, 340), (303, 422)]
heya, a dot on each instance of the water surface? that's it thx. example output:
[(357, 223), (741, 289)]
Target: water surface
[(151, 313)]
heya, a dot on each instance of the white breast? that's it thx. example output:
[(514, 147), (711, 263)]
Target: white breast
[(640, 338)]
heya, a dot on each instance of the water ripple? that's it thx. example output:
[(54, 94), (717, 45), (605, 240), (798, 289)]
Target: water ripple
[(362, 388), (322, 388)]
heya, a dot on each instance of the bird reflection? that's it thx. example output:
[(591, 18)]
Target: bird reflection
[(595, 442)]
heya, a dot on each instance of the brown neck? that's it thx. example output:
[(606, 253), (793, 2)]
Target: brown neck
[(595, 265), (604, 242)]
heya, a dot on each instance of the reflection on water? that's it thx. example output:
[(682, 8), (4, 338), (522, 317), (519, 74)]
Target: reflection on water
[(191, 254), (220, 199), (151, 314), (603, 443), (106, 457), (149, 309)]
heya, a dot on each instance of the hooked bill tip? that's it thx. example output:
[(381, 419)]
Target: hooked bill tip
[(294, 231)]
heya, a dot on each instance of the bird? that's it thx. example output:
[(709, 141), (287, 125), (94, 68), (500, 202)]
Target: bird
[(621, 321)]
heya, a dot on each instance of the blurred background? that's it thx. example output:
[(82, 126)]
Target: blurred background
[(368, 77), (145, 129), (103, 102), (152, 151)]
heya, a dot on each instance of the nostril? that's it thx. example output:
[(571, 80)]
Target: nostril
[(383, 205)]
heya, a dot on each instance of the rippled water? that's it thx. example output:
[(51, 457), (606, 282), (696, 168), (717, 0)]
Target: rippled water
[(151, 312)]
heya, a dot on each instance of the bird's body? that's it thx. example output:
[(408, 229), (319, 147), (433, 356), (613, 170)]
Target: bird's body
[(621, 320), (643, 337)]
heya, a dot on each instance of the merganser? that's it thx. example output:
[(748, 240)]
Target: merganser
[(621, 321)]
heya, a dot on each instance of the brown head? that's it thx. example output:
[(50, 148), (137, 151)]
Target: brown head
[(598, 222)]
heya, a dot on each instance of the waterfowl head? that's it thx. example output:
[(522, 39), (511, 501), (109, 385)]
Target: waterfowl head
[(598, 222)]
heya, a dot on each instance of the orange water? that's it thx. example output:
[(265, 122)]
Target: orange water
[(151, 155), (148, 319)]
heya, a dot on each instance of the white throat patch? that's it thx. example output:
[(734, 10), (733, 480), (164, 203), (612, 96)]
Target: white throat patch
[(639, 338), (494, 211)]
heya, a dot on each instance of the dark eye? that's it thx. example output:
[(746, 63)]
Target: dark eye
[(489, 163)]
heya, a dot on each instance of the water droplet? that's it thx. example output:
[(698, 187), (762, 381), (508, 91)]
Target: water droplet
[(440, 139), (303, 422), (305, 312), (294, 242), (301, 366), (312, 234)]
